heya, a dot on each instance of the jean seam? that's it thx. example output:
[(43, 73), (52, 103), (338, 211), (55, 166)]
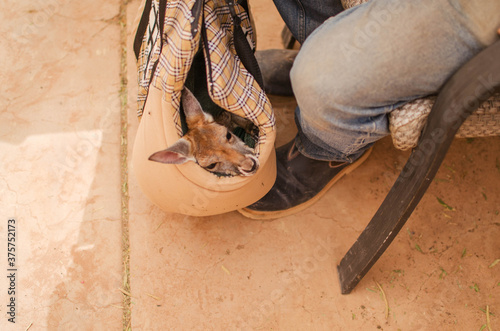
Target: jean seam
[(359, 142), (301, 23)]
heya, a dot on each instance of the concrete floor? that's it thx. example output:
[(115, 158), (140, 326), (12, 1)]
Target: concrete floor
[(61, 161)]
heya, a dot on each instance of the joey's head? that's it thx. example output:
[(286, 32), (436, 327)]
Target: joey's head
[(209, 144)]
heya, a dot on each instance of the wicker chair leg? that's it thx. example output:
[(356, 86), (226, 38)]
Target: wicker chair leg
[(473, 83)]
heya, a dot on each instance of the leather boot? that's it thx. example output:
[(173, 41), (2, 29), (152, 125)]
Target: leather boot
[(300, 182), (275, 66)]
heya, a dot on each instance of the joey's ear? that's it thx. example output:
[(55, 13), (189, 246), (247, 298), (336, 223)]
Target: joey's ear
[(178, 153), (192, 108)]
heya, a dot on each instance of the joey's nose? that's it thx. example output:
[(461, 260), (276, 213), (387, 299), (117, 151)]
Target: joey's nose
[(255, 165), (250, 166)]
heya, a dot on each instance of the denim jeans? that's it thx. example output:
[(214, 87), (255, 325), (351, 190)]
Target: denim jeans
[(361, 64), (303, 16)]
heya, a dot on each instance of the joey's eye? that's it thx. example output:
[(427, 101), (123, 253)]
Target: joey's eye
[(211, 166), (228, 135)]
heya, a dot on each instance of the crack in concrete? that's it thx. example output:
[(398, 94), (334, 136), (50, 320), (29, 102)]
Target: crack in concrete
[(122, 18), (336, 222)]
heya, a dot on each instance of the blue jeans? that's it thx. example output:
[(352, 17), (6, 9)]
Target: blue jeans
[(303, 16), (361, 64)]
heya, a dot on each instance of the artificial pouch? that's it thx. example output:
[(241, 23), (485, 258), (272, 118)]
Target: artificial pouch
[(169, 36)]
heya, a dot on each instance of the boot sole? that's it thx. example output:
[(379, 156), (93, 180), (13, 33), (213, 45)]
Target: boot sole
[(264, 215)]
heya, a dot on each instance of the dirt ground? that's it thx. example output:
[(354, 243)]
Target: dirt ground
[(228, 272), (92, 253)]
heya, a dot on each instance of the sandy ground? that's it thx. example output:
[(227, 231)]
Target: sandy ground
[(62, 150)]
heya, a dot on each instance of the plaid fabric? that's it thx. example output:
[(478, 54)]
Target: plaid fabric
[(166, 67), (149, 53)]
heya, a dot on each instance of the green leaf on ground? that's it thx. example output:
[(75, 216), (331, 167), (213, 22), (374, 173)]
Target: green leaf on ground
[(494, 263), (444, 204)]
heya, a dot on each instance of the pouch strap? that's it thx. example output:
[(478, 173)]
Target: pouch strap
[(242, 46), (141, 29), (144, 23)]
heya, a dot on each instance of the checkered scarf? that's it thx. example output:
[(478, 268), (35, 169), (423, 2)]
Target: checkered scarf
[(165, 63)]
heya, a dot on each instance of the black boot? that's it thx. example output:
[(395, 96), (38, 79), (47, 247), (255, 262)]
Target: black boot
[(275, 66), (300, 182)]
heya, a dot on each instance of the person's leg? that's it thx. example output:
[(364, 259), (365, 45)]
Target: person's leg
[(360, 65), (302, 17), (356, 68)]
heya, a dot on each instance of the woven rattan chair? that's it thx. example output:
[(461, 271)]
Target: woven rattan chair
[(417, 125), (427, 126), (458, 99)]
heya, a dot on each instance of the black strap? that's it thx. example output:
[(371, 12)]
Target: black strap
[(163, 9), (243, 48), (204, 40), (144, 22), (141, 29), (195, 12)]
